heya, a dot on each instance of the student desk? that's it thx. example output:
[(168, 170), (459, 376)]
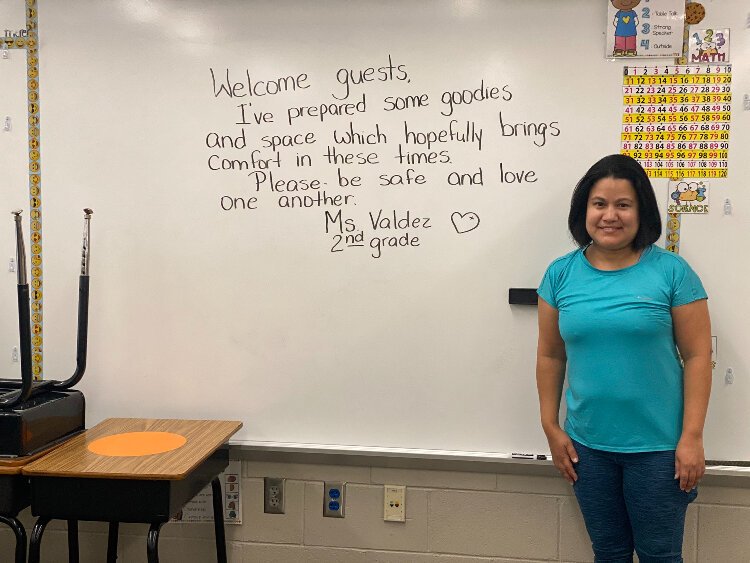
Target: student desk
[(130, 470), (15, 496)]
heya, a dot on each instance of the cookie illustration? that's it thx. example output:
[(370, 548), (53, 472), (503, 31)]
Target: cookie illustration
[(694, 13)]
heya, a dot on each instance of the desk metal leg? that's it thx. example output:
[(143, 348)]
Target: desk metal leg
[(72, 541), (36, 538), (114, 529), (20, 533), (152, 543), (221, 545)]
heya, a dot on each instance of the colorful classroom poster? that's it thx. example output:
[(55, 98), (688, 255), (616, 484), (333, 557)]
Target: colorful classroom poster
[(709, 46), (676, 119), (689, 195), (200, 509), (645, 29)]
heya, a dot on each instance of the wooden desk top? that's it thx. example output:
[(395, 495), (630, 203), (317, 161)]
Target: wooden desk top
[(14, 465), (73, 459)]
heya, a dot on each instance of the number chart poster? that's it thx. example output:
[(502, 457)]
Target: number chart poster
[(645, 28), (676, 119)]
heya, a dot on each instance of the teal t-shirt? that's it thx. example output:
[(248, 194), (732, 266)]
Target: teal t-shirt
[(625, 389)]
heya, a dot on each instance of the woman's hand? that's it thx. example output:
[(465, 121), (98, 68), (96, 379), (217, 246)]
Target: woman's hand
[(689, 462), (563, 453)]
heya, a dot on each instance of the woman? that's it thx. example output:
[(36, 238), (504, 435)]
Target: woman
[(614, 313)]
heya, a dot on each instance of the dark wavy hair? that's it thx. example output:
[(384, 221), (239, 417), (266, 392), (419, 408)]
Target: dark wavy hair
[(621, 167)]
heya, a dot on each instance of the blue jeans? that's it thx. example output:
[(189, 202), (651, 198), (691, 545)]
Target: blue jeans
[(631, 500)]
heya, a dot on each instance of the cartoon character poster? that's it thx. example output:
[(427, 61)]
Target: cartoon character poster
[(709, 46), (689, 195), (645, 28)]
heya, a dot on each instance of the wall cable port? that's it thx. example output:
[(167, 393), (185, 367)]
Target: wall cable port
[(394, 503)]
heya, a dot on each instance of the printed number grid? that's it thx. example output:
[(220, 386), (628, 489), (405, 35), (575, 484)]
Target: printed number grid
[(676, 119)]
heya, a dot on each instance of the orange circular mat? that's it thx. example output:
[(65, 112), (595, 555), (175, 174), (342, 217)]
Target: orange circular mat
[(136, 444)]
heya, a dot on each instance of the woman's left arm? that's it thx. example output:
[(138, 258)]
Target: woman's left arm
[(692, 330)]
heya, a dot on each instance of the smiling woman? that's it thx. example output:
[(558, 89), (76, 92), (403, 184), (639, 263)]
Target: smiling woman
[(612, 315), (622, 178), (612, 219)]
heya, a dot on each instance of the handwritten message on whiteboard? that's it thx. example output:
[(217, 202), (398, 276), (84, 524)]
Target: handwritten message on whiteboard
[(372, 135)]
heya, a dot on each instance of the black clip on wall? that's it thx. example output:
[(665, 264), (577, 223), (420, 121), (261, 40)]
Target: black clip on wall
[(522, 296)]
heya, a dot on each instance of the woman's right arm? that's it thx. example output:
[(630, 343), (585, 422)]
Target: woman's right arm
[(550, 374)]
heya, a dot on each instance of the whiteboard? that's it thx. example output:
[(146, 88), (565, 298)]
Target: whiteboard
[(14, 191), (253, 313)]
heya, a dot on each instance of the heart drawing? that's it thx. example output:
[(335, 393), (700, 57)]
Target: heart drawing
[(464, 222)]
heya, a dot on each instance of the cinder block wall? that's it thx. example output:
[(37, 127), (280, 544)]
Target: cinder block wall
[(452, 516)]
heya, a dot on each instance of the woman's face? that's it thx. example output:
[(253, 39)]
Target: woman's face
[(612, 219)]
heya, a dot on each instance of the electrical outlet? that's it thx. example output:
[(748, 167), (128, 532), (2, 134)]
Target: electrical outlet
[(12, 265), (334, 494), (14, 354), (394, 503), (273, 495)]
